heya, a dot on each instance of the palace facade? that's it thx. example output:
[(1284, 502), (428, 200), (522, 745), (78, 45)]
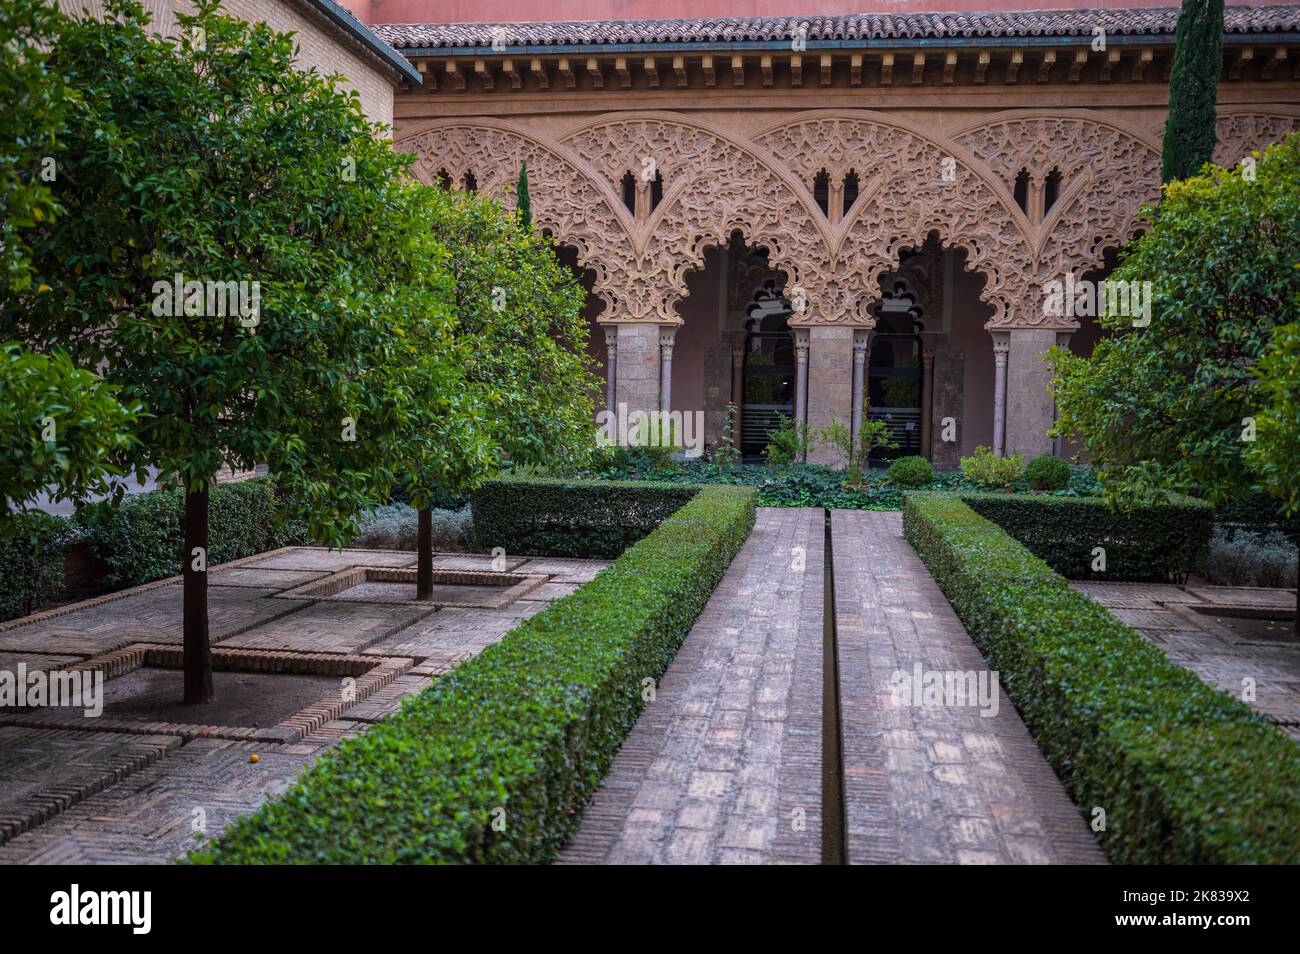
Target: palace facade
[(823, 217)]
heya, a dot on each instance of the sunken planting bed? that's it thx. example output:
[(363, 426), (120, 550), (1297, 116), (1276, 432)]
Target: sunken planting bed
[(496, 760)]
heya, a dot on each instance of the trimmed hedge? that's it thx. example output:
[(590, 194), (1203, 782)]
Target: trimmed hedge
[(528, 727), (1186, 774), (31, 562), (141, 539), (1159, 543), (574, 518)]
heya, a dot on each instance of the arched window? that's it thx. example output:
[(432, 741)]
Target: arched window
[(822, 192), (443, 179), (656, 190), (1022, 190), (851, 186), (471, 183), (1051, 190), (629, 192)]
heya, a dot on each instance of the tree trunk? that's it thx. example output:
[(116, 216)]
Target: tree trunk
[(424, 557), (197, 653)]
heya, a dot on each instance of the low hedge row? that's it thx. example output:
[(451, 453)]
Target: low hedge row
[(575, 518), (31, 562), (519, 735), (1186, 774), (1164, 542), (139, 540)]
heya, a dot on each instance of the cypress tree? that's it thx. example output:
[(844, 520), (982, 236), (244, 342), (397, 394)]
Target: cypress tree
[(524, 202), (1193, 89)]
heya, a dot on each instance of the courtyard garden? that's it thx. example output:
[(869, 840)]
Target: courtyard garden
[(394, 600)]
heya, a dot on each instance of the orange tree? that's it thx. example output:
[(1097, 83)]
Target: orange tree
[(241, 256)]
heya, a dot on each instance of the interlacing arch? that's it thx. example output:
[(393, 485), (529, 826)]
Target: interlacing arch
[(578, 208), (1085, 178), (714, 185)]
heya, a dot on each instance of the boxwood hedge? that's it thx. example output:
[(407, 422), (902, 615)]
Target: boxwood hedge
[(578, 518), (141, 538), (521, 733), (31, 562), (1185, 773), (1164, 542)]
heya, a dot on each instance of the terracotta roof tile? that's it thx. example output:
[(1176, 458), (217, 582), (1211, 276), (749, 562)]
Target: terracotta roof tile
[(872, 26)]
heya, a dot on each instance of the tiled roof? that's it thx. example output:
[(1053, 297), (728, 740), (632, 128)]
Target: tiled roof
[(865, 26)]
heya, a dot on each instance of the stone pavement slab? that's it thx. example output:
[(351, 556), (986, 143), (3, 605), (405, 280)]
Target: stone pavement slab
[(724, 765), (931, 783)]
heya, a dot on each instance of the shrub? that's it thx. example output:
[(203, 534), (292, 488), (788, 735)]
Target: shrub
[(530, 725), (1163, 542), (787, 443), (911, 471), (1048, 473), (1247, 558), (31, 562), (986, 469), (141, 538), (1186, 774), (578, 518), (393, 527)]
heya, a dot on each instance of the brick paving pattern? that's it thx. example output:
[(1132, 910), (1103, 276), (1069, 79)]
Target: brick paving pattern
[(939, 783), (1163, 614), (724, 766), (77, 790)]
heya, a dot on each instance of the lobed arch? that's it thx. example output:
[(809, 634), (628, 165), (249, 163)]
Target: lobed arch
[(919, 182), (716, 184), (570, 202)]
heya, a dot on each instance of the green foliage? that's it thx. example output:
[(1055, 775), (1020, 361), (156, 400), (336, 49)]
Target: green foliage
[(787, 443), (726, 454), (986, 469), (1186, 773), (30, 122), (523, 203), (1275, 455), (1173, 399), (911, 471), (31, 562), (598, 519), (1164, 542), (61, 430), (228, 164), (521, 339), (1193, 89), (1048, 473), (530, 725), (141, 539)]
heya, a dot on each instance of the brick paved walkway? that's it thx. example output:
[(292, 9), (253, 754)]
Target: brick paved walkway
[(101, 790), (1223, 650), (931, 783), (725, 764)]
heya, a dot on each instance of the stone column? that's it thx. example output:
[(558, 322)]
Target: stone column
[(636, 388), (611, 363), (1001, 347), (666, 335), (1030, 409), (830, 382), (861, 351), (800, 375), (737, 388), (927, 400), (1058, 443)]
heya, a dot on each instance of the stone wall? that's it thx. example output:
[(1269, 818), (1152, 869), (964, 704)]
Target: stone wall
[(320, 45)]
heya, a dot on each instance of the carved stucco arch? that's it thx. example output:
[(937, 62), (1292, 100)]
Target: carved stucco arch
[(570, 202), (715, 184), (1109, 170)]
